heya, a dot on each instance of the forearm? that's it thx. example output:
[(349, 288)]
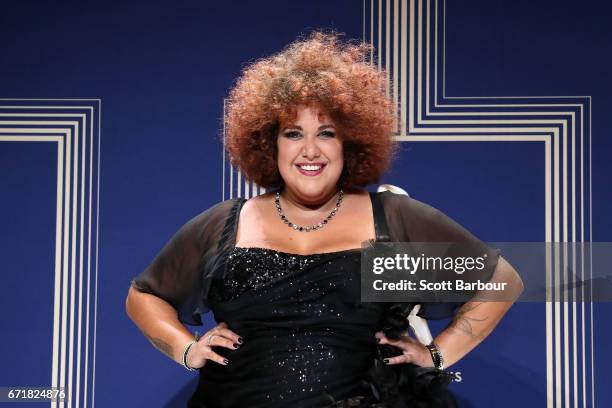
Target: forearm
[(158, 321), (476, 319), (472, 324)]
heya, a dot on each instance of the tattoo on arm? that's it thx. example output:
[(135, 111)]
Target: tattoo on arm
[(162, 346), (463, 323)]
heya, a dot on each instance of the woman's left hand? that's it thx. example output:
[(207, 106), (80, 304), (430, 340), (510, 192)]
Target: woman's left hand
[(412, 351)]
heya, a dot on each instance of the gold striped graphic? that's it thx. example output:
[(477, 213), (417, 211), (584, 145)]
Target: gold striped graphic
[(74, 312), (417, 51)]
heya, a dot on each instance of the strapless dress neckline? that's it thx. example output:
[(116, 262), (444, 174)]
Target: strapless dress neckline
[(284, 253)]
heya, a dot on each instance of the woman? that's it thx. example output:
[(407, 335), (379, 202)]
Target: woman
[(281, 271)]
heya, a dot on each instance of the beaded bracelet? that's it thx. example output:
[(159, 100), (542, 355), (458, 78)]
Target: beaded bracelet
[(191, 343)]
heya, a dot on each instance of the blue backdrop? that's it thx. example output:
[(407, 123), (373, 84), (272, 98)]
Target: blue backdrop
[(141, 86)]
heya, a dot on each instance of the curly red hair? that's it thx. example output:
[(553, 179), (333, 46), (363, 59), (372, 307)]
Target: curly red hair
[(320, 70)]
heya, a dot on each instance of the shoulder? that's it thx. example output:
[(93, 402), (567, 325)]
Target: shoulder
[(412, 220), (254, 207), (406, 206), (415, 220), (266, 198), (214, 216)]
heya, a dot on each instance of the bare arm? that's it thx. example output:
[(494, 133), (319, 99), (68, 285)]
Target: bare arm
[(158, 321), (475, 320)]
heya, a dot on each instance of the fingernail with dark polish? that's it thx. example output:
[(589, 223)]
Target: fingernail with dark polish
[(236, 345), (377, 340), (226, 361), (386, 361), (240, 340)]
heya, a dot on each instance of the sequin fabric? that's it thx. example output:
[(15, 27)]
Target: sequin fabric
[(254, 269), (308, 338), (313, 307)]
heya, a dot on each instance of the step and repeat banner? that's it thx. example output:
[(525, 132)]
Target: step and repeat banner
[(111, 124)]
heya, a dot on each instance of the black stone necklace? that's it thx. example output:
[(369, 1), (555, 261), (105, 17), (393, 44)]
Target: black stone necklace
[(313, 227)]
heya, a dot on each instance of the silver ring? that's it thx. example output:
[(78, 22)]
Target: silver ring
[(209, 339)]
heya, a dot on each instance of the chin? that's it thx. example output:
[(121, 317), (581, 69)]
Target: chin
[(309, 191), (312, 188), (312, 191)]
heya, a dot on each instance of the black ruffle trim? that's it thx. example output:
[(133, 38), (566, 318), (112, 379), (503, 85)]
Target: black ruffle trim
[(401, 385)]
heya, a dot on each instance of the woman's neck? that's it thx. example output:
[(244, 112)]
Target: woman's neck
[(325, 202)]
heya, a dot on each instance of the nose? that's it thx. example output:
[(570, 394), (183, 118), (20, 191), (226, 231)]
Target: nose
[(310, 150)]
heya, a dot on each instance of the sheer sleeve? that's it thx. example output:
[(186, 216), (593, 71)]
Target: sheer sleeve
[(182, 271), (410, 220)]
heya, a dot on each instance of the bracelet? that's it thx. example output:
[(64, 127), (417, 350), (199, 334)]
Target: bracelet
[(436, 355), (191, 343)]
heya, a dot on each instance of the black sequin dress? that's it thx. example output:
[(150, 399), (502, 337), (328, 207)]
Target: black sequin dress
[(308, 339)]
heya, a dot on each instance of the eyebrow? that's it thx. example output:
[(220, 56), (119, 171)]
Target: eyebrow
[(300, 128)]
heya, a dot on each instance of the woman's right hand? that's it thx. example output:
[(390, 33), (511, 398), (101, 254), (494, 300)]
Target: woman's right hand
[(218, 336)]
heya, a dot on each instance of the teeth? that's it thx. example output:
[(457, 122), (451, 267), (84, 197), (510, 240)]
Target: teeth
[(309, 167)]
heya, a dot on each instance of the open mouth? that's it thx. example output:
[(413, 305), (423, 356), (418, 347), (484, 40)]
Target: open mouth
[(310, 169)]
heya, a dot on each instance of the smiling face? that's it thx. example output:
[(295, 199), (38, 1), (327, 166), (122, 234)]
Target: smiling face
[(310, 158)]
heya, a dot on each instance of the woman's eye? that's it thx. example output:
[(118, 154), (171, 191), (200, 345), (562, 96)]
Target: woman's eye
[(292, 134), (328, 133)]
